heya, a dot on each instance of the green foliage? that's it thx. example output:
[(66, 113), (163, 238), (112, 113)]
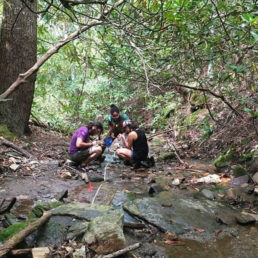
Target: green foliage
[(182, 42), (224, 159), (12, 230)]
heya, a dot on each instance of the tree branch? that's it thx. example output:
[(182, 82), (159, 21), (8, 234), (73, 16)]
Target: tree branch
[(23, 77)]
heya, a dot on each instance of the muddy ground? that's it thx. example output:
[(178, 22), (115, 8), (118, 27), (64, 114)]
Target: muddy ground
[(173, 186)]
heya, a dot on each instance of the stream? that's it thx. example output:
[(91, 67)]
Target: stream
[(199, 213)]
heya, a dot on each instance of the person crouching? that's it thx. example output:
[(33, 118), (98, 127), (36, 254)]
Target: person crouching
[(136, 146), (82, 149)]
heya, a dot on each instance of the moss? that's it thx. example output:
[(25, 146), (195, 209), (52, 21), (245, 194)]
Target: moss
[(12, 230), (197, 98), (238, 170), (224, 159), (166, 156), (192, 118), (38, 210), (131, 196), (248, 156), (5, 132)]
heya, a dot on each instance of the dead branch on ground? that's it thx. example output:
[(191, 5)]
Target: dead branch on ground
[(12, 145), (19, 237)]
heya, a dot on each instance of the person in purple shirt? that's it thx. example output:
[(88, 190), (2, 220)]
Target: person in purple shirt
[(82, 148)]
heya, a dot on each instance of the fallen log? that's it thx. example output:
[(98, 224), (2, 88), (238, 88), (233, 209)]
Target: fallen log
[(17, 238), (120, 252), (12, 145)]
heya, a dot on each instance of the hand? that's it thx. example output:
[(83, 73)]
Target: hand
[(94, 143)]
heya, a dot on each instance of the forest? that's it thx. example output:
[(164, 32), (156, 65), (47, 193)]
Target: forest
[(185, 71)]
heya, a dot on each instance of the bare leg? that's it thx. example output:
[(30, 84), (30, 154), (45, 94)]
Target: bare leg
[(97, 151), (124, 153)]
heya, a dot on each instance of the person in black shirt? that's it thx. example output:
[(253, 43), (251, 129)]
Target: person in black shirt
[(136, 145), (115, 121)]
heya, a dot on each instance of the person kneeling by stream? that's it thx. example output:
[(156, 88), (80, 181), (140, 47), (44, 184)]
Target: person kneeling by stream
[(136, 147), (82, 149)]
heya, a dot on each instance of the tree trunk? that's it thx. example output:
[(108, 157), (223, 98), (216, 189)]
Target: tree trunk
[(18, 52)]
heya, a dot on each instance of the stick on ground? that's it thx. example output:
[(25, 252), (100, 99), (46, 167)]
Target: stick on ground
[(17, 238), (12, 145), (122, 251)]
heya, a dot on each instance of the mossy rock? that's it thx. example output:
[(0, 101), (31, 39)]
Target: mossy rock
[(12, 230), (6, 133), (166, 156), (224, 159), (38, 210), (238, 170)]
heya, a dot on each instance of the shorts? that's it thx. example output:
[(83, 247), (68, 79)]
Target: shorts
[(138, 157), (81, 155)]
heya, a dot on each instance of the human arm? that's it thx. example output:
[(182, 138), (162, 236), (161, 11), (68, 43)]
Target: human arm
[(81, 144), (131, 137)]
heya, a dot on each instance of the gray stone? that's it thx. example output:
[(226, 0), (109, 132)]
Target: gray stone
[(239, 180), (183, 216), (208, 194), (52, 233), (77, 230), (255, 177), (105, 233), (79, 253), (84, 211), (245, 219)]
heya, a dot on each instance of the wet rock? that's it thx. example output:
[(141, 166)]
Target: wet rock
[(245, 219), (255, 178), (239, 180), (52, 233), (81, 210), (255, 216), (208, 194), (9, 219), (96, 178), (184, 215), (77, 230), (79, 253), (155, 189), (105, 233), (225, 217)]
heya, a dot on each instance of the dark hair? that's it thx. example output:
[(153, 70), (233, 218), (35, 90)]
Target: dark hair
[(113, 109), (132, 125), (97, 124)]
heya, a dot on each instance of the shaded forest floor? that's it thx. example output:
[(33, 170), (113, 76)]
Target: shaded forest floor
[(45, 177)]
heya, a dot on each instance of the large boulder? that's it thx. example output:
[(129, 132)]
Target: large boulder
[(83, 211), (105, 234)]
